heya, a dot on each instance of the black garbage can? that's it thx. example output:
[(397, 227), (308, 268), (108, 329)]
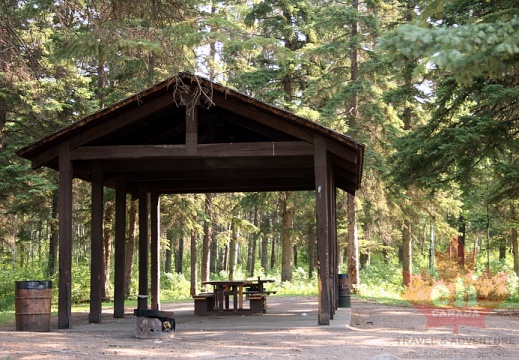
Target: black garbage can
[(32, 305), (344, 291)]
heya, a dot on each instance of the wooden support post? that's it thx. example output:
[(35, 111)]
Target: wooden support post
[(322, 189), (143, 241), (96, 247), (65, 238), (155, 251), (120, 247)]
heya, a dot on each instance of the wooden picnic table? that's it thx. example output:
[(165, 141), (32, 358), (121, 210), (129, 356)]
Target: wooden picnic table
[(261, 284), (224, 288)]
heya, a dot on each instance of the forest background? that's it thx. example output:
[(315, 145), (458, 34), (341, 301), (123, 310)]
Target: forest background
[(431, 87)]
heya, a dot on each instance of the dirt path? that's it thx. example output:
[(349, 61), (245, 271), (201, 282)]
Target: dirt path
[(289, 330)]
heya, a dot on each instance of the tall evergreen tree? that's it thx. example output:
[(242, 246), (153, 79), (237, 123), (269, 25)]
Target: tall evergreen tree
[(470, 52)]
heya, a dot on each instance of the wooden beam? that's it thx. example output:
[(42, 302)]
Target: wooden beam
[(42, 158), (107, 127), (216, 190), (129, 152), (143, 240), (322, 189), (256, 149), (155, 250), (120, 247), (185, 164), (345, 153), (96, 247), (65, 238), (135, 152), (212, 174), (230, 185), (262, 117)]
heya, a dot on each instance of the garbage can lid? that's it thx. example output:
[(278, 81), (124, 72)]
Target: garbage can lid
[(34, 285)]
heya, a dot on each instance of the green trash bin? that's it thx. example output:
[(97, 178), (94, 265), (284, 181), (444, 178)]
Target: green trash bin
[(344, 291)]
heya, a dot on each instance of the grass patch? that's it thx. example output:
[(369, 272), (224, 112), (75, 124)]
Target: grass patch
[(382, 300)]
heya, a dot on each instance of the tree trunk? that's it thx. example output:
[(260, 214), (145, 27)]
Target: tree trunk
[(432, 268), (311, 245), (253, 243), (107, 247), (224, 257), (130, 248), (273, 252), (353, 118), (502, 249), (407, 253), (353, 243), (194, 270), (214, 266), (208, 235), (3, 121), (232, 250), (53, 243), (265, 248), (287, 243), (461, 242), (514, 239), (363, 260), (179, 254), (169, 252)]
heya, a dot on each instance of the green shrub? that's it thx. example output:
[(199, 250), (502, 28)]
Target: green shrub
[(381, 281), (174, 287), (9, 276)]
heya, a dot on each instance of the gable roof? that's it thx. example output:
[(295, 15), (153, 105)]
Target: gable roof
[(155, 124)]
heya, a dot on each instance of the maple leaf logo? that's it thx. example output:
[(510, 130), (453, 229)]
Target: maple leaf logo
[(456, 297)]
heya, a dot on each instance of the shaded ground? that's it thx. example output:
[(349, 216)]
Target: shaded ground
[(288, 330)]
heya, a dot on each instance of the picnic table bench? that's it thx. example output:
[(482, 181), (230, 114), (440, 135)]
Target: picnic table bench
[(204, 303), (258, 303), (218, 301)]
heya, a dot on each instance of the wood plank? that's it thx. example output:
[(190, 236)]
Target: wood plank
[(323, 231), (96, 247), (133, 152), (122, 120), (229, 185), (256, 149), (65, 238), (258, 188), (201, 163), (164, 169), (262, 117), (130, 152), (155, 250), (344, 152), (120, 247), (209, 175), (345, 185), (107, 127), (42, 158)]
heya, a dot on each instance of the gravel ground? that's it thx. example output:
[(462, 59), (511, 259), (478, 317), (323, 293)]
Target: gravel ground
[(288, 330)]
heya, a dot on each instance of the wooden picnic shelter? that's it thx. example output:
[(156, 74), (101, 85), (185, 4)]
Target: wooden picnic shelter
[(190, 135)]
